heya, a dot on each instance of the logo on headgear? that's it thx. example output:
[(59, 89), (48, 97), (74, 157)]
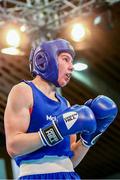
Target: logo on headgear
[(41, 60)]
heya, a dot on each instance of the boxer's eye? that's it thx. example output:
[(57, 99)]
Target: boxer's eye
[(66, 59)]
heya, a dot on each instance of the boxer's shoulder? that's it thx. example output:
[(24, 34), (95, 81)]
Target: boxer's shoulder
[(21, 92), (21, 88)]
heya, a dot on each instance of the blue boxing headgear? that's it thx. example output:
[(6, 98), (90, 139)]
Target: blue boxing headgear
[(43, 59)]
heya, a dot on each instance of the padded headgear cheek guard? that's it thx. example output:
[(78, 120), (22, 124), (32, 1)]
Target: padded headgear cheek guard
[(43, 59)]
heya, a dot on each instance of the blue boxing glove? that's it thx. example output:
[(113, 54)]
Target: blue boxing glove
[(105, 111), (73, 120)]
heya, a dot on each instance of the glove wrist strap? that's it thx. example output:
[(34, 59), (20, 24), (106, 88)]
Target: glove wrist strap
[(92, 141), (85, 143), (50, 134)]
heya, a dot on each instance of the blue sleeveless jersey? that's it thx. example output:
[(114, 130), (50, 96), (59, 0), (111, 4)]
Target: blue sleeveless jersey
[(44, 110)]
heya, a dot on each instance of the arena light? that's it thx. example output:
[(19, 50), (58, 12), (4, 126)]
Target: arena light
[(78, 32), (97, 20), (80, 66), (13, 38), (23, 28), (12, 51)]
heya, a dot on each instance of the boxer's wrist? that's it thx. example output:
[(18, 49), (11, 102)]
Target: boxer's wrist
[(41, 139)]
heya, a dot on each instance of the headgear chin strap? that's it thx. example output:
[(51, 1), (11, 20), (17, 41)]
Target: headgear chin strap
[(43, 59)]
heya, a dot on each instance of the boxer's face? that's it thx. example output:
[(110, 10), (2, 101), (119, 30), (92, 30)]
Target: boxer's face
[(65, 68)]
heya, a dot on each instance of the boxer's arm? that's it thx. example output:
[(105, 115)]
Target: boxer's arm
[(17, 118), (78, 149)]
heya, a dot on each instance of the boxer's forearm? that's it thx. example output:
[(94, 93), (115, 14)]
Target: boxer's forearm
[(79, 152), (24, 143)]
